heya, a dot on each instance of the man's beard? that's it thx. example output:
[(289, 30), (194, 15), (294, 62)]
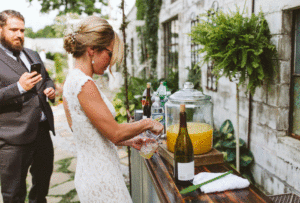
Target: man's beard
[(7, 44)]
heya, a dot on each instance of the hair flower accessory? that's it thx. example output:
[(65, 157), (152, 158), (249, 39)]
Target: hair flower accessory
[(73, 36)]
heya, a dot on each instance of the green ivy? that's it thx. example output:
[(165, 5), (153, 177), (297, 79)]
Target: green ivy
[(240, 47), (148, 10), (225, 142)]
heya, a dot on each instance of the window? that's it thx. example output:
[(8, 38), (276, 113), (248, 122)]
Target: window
[(195, 58), (171, 46), (295, 131), (195, 70), (211, 80)]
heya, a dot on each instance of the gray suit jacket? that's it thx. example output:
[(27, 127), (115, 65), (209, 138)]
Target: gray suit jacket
[(20, 113)]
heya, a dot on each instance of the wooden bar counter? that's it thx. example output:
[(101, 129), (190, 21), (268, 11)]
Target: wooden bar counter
[(161, 173)]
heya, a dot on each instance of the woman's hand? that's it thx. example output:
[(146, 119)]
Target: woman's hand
[(138, 141), (156, 127)]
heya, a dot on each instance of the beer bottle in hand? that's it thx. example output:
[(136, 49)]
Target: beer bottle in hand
[(147, 106), (183, 154)]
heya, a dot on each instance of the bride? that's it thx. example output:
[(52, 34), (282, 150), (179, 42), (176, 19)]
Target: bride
[(90, 115)]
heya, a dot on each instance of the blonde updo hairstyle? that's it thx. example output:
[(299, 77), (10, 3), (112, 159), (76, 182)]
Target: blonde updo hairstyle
[(97, 33)]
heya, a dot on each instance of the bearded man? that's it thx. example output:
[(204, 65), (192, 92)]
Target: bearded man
[(25, 115)]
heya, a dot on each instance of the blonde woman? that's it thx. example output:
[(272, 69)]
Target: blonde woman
[(98, 178)]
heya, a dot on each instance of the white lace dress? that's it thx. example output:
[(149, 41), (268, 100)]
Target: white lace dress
[(98, 175)]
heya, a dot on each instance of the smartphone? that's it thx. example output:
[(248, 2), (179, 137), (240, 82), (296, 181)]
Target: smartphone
[(36, 67)]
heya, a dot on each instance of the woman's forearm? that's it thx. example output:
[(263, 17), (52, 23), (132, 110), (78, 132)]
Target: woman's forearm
[(129, 130)]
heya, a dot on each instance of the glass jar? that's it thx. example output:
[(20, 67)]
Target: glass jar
[(199, 114)]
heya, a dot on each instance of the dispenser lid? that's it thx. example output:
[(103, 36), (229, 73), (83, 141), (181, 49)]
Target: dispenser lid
[(188, 94)]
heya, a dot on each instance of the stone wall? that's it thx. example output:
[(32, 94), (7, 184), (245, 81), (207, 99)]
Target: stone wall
[(48, 44), (277, 160)]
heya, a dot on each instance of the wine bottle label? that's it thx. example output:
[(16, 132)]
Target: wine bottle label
[(144, 117), (186, 171)]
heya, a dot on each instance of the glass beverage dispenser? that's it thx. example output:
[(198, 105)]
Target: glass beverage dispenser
[(199, 114)]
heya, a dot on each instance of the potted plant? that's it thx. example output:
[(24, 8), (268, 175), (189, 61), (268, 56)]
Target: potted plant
[(241, 49)]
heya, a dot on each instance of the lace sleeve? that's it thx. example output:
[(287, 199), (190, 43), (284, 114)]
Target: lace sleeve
[(79, 83), (73, 86), (74, 83)]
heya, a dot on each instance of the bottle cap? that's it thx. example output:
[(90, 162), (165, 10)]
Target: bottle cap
[(182, 107)]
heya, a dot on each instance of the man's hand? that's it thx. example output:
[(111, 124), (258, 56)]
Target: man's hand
[(29, 80), (50, 93)]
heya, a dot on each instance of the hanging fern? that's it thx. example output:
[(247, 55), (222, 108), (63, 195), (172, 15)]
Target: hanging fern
[(240, 47)]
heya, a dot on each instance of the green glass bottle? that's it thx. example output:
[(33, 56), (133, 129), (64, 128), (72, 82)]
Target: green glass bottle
[(147, 106), (184, 169)]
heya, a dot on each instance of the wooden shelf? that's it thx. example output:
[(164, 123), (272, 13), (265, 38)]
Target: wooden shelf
[(211, 157)]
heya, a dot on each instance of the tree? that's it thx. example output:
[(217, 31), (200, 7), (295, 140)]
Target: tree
[(29, 33), (72, 6), (46, 32)]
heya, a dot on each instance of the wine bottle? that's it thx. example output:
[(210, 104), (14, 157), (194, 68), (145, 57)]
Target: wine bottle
[(147, 106), (184, 153)]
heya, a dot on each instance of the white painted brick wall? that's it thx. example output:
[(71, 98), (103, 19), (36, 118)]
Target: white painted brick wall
[(275, 22), (273, 95), (277, 160), (269, 6), (244, 106), (282, 122), (285, 71), (261, 113), (260, 94), (286, 22), (283, 46)]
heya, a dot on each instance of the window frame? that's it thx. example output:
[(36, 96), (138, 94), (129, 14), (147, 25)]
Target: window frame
[(293, 74), (195, 58), (167, 43), (211, 80)]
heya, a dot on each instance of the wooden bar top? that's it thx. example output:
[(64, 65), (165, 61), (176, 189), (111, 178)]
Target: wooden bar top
[(161, 173)]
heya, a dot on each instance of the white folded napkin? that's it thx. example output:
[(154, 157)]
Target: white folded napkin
[(229, 182)]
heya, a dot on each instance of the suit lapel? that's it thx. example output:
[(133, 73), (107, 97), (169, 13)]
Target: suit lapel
[(32, 58), (11, 63)]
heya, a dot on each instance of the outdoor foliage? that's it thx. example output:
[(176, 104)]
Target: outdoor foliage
[(136, 87), (194, 76), (46, 32), (148, 10), (240, 46), (172, 81), (225, 142), (72, 6), (60, 64)]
